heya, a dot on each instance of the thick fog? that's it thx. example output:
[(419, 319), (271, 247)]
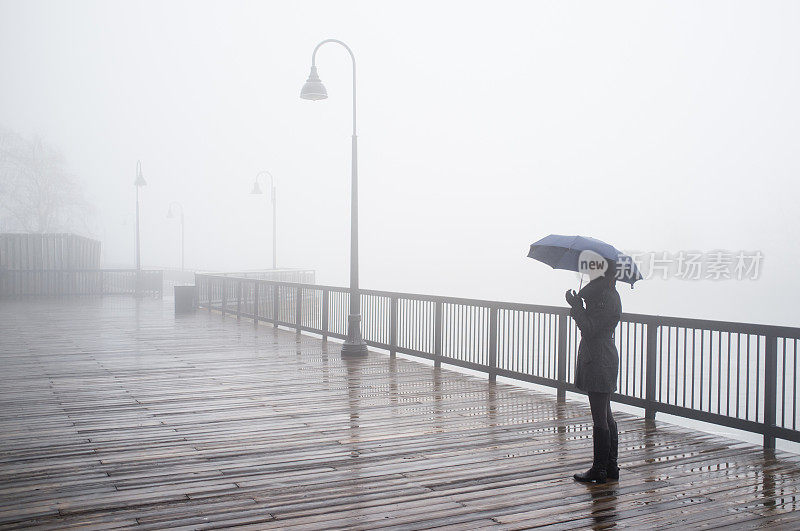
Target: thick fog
[(655, 126)]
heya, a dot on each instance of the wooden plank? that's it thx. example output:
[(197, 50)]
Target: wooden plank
[(116, 414)]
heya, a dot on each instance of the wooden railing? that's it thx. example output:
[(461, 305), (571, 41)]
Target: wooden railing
[(32, 283), (739, 375)]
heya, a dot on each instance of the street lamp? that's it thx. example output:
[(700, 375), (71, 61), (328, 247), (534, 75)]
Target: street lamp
[(257, 191), (138, 183), (170, 215), (313, 89)]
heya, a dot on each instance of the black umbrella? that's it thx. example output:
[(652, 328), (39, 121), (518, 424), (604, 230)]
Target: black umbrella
[(566, 252)]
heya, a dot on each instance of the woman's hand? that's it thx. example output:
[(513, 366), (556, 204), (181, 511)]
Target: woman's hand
[(572, 298)]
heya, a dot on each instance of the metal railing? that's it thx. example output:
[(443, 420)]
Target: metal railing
[(738, 375), (71, 282), (302, 276)]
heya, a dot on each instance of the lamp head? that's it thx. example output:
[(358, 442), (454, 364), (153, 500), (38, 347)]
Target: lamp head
[(170, 215), (140, 181), (256, 189), (139, 177), (313, 89)]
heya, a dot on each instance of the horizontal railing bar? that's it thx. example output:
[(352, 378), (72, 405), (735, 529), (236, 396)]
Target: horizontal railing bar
[(286, 324), (247, 272), (302, 328), (714, 418), (434, 357), (468, 302), (277, 282), (717, 326), (684, 322)]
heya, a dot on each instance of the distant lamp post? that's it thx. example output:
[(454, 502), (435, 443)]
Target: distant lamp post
[(313, 89), (171, 215), (257, 191), (138, 183)]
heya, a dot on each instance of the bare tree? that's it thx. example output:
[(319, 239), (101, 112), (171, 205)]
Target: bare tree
[(37, 193)]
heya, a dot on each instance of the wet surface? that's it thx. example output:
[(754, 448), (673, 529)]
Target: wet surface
[(114, 412)]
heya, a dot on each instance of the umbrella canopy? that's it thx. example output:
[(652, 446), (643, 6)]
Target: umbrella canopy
[(563, 252)]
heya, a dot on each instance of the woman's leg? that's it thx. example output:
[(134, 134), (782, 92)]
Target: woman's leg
[(601, 412), (598, 402), (613, 450)]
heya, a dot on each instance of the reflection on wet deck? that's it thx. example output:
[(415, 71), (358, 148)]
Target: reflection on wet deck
[(113, 413)]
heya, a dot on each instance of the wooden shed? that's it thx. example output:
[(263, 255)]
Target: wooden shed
[(48, 252), (49, 264)]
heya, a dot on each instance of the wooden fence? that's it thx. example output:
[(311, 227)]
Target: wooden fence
[(49, 252)]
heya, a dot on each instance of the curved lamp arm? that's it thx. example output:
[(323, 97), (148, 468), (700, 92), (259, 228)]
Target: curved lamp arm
[(263, 173), (353, 57), (175, 203), (271, 182)]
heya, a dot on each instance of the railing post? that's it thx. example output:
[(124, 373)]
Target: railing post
[(393, 327), (325, 314), (770, 390), (437, 335), (238, 299), (276, 304), (493, 344), (298, 318), (224, 295), (650, 378), (255, 303), (561, 357)]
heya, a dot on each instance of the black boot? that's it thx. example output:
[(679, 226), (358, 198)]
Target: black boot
[(612, 469), (598, 471)]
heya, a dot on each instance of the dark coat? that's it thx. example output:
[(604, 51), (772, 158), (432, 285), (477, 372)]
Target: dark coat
[(598, 360)]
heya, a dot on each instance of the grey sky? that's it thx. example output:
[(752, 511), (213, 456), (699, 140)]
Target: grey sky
[(482, 127)]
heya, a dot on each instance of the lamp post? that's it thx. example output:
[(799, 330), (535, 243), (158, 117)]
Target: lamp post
[(138, 183), (171, 215), (313, 89), (257, 191)]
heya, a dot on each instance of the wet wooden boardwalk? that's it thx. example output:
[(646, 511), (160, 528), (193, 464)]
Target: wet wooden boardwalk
[(114, 414)]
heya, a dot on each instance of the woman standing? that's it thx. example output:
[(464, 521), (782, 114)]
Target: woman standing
[(597, 366)]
